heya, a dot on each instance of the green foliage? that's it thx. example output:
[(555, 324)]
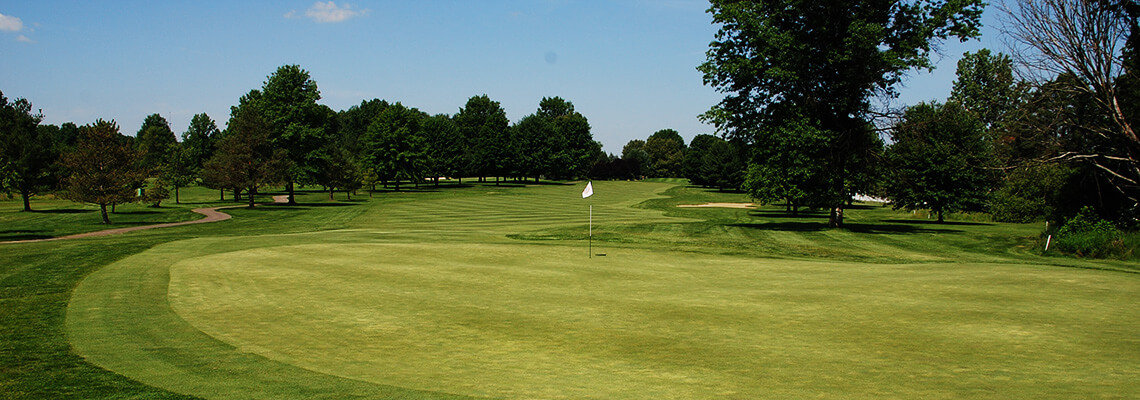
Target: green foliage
[(199, 142), (666, 151), (27, 153), (786, 168), (1087, 235), (781, 61), (986, 86), (394, 146), (483, 126), (1030, 193), (105, 168), (246, 157), (939, 160), (155, 141)]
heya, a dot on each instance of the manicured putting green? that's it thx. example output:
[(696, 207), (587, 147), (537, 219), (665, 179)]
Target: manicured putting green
[(358, 312)]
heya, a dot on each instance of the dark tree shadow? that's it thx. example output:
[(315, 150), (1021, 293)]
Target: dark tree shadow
[(888, 228), (946, 223), (63, 211), (17, 234)]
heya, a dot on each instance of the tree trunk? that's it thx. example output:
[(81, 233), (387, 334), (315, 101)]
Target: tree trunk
[(940, 220), (112, 211), (250, 194), (835, 220), (331, 193), (27, 199), (222, 194), (176, 200), (292, 197), (103, 210)]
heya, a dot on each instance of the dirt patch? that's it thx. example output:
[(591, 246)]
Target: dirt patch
[(718, 205)]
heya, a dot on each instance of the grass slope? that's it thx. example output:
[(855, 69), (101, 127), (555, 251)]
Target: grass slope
[(488, 291)]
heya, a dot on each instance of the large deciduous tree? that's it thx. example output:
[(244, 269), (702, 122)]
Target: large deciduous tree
[(105, 168), (786, 62), (1088, 48), (394, 148), (288, 100), (483, 128), (666, 150), (26, 152), (939, 160), (246, 157)]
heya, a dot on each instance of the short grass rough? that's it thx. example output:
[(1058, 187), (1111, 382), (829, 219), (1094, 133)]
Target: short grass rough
[(491, 292)]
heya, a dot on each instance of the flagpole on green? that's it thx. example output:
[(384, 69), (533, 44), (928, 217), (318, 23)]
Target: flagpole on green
[(589, 191)]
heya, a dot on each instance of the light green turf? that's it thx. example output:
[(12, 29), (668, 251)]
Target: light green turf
[(489, 292)]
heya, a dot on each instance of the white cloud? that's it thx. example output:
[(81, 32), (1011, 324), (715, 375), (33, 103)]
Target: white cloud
[(291, 14), (330, 12), (24, 39), (13, 24)]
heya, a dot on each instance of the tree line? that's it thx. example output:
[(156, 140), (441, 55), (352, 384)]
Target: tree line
[(1040, 134), (280, 135)]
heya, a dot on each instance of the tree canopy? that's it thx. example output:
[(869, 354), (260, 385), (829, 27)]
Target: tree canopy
[(820, 64)]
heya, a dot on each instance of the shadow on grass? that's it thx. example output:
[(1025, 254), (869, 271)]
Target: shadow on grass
[(304, 205), (14, 235), (886, 228), (144, 212), (63, 211), (936, 223)]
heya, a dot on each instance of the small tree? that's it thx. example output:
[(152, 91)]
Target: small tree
[(105, 168), (26, 152), (939, 160)]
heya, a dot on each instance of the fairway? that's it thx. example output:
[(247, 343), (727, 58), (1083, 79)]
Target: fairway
[(435, 296)]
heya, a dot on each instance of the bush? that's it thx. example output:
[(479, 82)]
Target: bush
[(1086, 235)]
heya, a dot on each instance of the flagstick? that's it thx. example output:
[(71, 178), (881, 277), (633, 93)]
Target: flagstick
[(591, 231)]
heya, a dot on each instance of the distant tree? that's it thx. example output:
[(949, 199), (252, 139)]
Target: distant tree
[(814, 67), (394, 148), (533, 146), (939, 160), (155, 140), (483, 128), (26, 153), (666, 150), (180, 169), (634, 153), (694, 159), (246, 157), (199, 142), (722, 165), (288, 101), (786, 166), (572, 145), (354, 122), (444, 147), (105, 168), (986, 86)]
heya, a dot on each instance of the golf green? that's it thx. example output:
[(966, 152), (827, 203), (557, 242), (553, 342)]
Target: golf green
[(364, 313)]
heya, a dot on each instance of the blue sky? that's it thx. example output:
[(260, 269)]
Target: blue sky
[(629, 66)]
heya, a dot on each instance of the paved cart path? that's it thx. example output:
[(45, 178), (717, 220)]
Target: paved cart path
[(212, 215)]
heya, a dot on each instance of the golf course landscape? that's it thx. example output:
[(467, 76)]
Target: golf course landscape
[(508, 292)]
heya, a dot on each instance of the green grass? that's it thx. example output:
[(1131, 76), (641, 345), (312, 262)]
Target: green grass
[(487, 291)]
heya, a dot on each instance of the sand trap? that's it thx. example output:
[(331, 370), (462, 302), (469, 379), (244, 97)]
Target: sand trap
[(719, 205)]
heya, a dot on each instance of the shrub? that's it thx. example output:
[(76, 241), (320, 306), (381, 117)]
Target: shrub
[(1086, 235)]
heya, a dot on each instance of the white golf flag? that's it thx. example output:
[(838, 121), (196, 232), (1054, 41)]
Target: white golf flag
[(589, 190)]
